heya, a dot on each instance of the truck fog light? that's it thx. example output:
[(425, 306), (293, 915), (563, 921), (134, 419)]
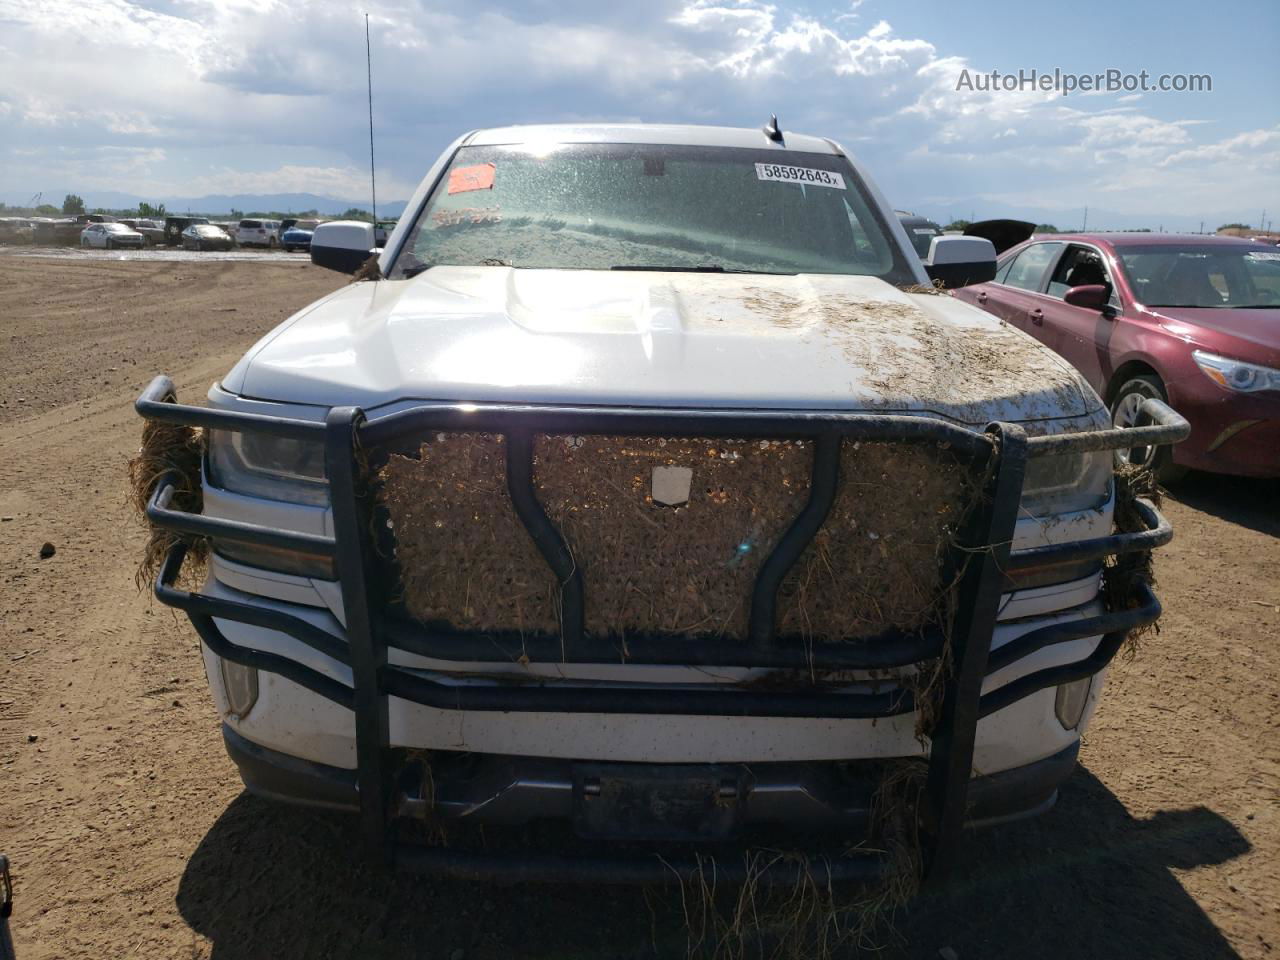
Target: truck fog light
[(240, 684), (1070, 702)]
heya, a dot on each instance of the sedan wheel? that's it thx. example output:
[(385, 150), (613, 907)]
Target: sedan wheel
[(1126, 412)]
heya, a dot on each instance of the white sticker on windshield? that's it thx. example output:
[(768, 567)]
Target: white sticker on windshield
[(806, 175)]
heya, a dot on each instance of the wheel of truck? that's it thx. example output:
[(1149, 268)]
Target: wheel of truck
[(1125, 413)]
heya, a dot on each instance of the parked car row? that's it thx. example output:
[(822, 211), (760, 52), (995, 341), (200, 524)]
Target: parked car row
[(91, 231)]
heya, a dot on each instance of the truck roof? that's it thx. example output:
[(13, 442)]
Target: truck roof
[(664, 133)]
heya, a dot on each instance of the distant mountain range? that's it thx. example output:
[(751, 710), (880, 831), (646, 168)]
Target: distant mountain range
[(220, 203), (944, 212), (1072, 218)]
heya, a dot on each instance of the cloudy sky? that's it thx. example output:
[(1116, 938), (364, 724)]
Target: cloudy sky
[(196, 97)]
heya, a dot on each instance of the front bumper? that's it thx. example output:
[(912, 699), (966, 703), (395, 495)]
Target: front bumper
[(515, 790), (981, 564)]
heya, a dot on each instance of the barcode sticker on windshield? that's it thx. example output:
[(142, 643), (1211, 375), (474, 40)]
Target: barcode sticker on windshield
[(806, 175)]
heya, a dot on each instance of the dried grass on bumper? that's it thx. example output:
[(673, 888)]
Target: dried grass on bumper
[(175, 450)]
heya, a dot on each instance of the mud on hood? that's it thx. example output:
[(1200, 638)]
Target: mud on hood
[(814, 342)]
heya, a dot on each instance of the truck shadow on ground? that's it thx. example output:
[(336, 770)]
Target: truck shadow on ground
[(1246, 501), (1084, 880)]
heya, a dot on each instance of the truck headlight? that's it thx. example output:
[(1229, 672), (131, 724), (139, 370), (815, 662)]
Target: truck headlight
[(1235, 374), (260, 465), (1066, 483)]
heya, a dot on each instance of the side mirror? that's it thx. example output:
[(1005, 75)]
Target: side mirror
[(961, 261), (343, 245), (1091, 296)]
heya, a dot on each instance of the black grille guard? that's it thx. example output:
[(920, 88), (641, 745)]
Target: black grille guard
[(982, 562)]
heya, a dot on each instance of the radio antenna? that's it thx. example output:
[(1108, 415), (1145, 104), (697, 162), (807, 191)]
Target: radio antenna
[(368, 61)]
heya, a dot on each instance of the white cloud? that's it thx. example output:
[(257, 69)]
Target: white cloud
[(234, 96), (344, 183)]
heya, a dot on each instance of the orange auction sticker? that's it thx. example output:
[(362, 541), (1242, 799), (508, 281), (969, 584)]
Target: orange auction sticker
[(478, 177)]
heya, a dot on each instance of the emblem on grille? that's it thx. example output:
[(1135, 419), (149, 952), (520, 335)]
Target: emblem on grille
[(671, 485)]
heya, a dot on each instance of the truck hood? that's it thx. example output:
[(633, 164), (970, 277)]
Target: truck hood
[(814, 342)]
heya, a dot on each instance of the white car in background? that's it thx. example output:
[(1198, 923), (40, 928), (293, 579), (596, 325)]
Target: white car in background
[(258, 233), (109, 236)]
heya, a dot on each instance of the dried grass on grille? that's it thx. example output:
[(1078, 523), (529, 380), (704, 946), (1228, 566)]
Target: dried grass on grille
[(463, 556), (167, 449), (877, 563), (465, 559), (688, 569)]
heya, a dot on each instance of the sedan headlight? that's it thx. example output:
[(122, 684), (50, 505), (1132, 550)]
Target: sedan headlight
[(1236, 374), (260, 465)]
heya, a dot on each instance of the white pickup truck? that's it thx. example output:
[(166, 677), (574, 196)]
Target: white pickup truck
[(646, 484)]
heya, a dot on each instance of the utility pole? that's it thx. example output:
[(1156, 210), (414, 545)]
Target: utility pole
[(1085, 224), (368, 61)]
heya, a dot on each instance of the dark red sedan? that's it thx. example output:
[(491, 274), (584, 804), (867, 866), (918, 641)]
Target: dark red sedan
[(1190, 319)]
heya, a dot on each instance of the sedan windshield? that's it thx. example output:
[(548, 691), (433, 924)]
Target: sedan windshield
[(652, 207), (1204, 275)]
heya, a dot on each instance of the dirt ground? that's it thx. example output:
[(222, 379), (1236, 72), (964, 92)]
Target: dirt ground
[(131, 837)]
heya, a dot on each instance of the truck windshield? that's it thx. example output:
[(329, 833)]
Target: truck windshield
[(652, 207)]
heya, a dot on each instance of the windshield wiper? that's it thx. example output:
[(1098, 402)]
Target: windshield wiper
[(410, 272), (704, 268)]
